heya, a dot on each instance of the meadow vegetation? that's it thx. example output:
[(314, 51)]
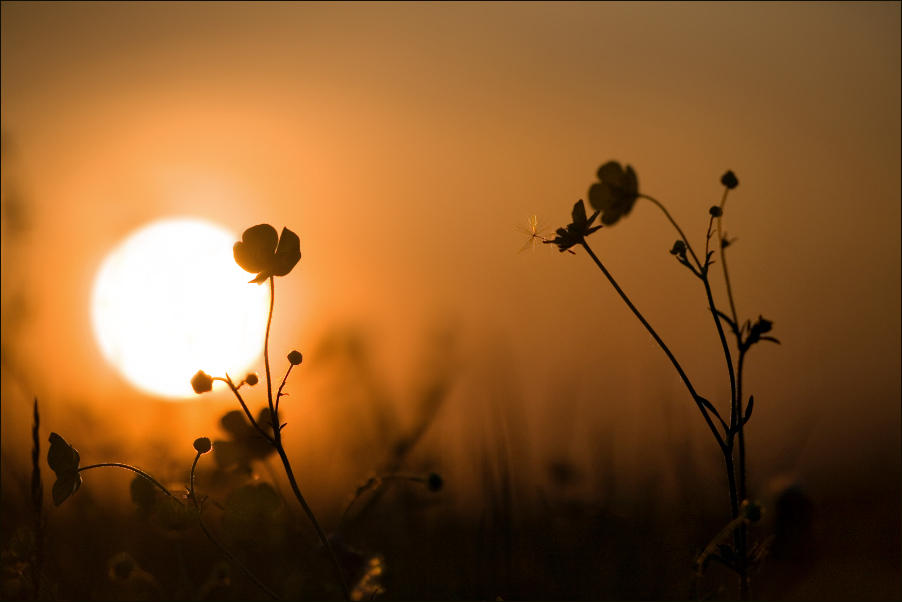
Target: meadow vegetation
[(236, 525)]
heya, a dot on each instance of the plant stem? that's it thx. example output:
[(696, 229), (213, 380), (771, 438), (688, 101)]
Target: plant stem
[(675, 225), (282, 386), (660, 342), (312, 517), (159, 485), (228, 380), (272, 302), (228, 555), (215, 541), (723, 258), (277, 443)]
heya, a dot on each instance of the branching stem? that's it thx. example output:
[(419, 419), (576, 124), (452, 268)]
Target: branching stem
[(280, 449), (673, 360)]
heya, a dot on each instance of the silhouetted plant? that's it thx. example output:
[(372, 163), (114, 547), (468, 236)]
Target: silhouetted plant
[(613, 197), (247, 509), (172, 512), (250, 512)]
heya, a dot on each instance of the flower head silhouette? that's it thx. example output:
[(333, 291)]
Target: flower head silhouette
[(575, 232), (616, 193), (257, 252), (63, 460)]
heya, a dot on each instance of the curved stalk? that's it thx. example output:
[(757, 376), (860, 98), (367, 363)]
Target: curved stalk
[(228, 380), (675, 225), (673, 360), (277, 443), (272, 302), (229, 555), (159, 485), (723, 258)]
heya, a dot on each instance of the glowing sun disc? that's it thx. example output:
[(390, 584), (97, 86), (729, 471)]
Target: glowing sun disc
[(170, 300)]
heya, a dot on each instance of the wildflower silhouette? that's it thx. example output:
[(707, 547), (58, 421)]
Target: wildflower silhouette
[(257, 252), (576, 232), (63, 460), (616, 193), (171, 511), (614, 197), (262, 251)]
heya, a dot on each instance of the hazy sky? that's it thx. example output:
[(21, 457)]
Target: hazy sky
[(404, 142)]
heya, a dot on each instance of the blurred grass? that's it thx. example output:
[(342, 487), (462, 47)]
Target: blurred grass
[(518, 518)]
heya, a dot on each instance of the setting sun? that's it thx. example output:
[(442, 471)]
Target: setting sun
[(170, 300)]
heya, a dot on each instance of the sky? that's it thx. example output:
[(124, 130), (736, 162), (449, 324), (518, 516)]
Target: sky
[(404, 143)]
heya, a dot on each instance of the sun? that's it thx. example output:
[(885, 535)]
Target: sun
[(170, 300)]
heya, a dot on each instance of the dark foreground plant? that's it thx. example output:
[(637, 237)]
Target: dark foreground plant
[(613, 197), (263, 252)]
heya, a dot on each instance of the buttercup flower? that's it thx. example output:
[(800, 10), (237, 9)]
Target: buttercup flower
[(63, 460), (257, 252), (616, 193), (577, 231)]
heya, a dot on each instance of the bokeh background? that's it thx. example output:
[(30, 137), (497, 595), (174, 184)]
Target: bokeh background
[(404, 143)]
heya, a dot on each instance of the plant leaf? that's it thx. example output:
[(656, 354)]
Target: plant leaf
[(748, 409)]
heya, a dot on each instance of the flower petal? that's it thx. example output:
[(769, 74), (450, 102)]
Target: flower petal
[(579, 214), (62, 457), (255, 251), (288, 254), (65, 485)]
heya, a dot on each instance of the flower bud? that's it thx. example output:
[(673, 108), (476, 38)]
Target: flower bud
[(202, 445), (201, 382), (295, 358), (251, 379), (715, 211), (679, 247), (729, 180)]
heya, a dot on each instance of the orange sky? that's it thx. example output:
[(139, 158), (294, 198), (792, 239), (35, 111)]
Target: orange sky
[(404, 142)]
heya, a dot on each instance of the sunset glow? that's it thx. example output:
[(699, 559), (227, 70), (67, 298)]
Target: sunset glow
[(170, 300)]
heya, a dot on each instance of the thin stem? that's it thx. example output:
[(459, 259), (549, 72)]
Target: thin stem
[(282, 386), (725, 345), (744, 587), (660, 342), (277, 443), (209, 535), (191, 481), (312, 517), (228, 555), (136, 470), (272, 302), (742, 494), (704, 274), (723, 259), (228, 380), (675, 225)]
